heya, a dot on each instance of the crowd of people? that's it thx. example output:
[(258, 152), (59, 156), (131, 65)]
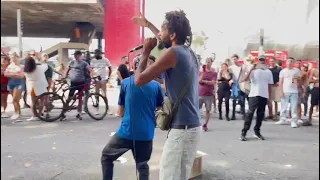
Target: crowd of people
[(175, 77), (34, 76)]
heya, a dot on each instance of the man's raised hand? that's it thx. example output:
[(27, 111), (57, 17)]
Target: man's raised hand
[(140, 20)]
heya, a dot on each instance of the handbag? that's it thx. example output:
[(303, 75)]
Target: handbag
[(165, 115), (244, 86)]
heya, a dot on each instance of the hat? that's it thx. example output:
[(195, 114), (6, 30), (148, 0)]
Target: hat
[(262, 58)]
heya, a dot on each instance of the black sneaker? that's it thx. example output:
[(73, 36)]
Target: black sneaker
[(79, 116), (220, 118), (307, 123), (243, 138), (258, 136), (227, 118), (233, 118)]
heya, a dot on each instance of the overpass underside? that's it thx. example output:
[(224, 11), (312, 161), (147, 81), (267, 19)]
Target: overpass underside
[(50, 18)]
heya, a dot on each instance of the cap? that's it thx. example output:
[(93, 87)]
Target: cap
[(262, 58)]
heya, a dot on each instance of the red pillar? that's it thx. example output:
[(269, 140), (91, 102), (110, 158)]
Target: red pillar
[(120, 33)]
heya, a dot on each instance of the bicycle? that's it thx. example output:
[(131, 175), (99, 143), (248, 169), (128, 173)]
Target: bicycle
[(68, 104)]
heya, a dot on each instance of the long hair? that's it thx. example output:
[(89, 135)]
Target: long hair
[(29, 65)]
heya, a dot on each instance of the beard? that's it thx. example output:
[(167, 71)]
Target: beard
[(98, 57), (164, 43)]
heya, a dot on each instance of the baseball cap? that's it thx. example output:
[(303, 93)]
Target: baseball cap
[(262, 58)]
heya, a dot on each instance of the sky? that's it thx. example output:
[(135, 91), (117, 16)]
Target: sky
[(228, 23)]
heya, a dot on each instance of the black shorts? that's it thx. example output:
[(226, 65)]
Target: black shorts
[(76, 86), (315, 96)]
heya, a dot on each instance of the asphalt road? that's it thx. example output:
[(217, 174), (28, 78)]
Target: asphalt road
[(71, 150)]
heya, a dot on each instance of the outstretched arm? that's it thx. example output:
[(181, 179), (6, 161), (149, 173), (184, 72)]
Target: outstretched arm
[(142, 21)]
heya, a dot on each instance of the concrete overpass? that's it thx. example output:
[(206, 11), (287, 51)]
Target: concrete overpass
[(50, 18), (106, 19)]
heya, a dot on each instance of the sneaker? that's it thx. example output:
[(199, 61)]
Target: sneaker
[(15, 116), (4, 115), (79, 116), (289, 120), (307, 123), (281, 122), (300, 121), (258, 136), (83, 112), (243, 138), (304, 118), (32, 119), (294, 125)]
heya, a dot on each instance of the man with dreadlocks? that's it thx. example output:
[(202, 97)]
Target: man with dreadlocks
[(181, 68), (137, 106)]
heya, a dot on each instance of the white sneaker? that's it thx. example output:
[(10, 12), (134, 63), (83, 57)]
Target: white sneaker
[(83, 112), (15, 116), (4, 115), (289, 120), (32, 119), (300, 122), (280, 122), (294, 125)]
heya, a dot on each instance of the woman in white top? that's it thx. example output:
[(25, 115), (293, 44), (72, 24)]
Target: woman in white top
[(35, 81)]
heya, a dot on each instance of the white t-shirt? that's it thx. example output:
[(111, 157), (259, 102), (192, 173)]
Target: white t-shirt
[(236, 72), (288, 75), (100, 66), (36, 80), (260, 80)]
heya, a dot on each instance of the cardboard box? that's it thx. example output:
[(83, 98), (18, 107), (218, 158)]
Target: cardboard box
[(197, 166)]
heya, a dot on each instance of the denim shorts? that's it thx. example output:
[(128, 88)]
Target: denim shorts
[(12, 87)]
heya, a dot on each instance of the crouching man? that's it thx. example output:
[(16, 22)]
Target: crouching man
[(137, 106)]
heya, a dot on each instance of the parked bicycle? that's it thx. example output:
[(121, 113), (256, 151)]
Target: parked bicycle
[(61, 102)]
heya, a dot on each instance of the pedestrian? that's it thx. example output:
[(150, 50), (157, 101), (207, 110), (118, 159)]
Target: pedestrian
[(137, 105), (224, 89), (5, 61), (181, 67), (206, 90), (275, 89), (238, 96), (289, 82), (261, 80), (14, 72)]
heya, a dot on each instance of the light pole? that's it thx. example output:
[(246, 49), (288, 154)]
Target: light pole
[(19, 31)]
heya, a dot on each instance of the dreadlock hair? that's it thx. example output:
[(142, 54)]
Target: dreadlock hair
[(179, 24)]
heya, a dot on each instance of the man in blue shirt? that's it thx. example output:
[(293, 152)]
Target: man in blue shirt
[(137, 106)]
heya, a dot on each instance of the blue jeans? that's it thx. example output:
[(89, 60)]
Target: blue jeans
[(293, 99)]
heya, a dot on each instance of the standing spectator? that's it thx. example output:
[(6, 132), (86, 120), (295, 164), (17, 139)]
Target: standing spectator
[(15, 84), (289, 81), (206, 90), (49, 72), (261, 80), (238, 72), (275, 89), (224, 87), (99, 65), (5, 61)]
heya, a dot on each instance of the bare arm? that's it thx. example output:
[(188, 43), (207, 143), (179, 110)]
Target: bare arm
[(153, 29), (121, 111), (110, 71), (281, 85), (145, 75)]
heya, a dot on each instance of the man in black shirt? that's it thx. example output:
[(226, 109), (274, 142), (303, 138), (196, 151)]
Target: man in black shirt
[(275, 90)]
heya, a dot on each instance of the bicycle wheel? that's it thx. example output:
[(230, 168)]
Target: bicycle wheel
[(96, 106), (52, 109)]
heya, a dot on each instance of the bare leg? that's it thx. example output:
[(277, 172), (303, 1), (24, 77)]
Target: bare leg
[(16, 100), (214, 104), (299, 112), (270, 109), (4, 101), (276, 109)]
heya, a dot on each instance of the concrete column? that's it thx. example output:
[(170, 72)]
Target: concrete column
[(19, 31), (63, 57)]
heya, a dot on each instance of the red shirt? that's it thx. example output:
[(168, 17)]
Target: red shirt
[(205, 89), (4, 80)]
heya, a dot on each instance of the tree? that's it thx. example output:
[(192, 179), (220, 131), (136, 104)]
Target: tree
[(199, 41)]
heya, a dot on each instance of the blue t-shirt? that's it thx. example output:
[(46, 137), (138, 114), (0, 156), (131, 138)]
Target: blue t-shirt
[(144, 102)]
